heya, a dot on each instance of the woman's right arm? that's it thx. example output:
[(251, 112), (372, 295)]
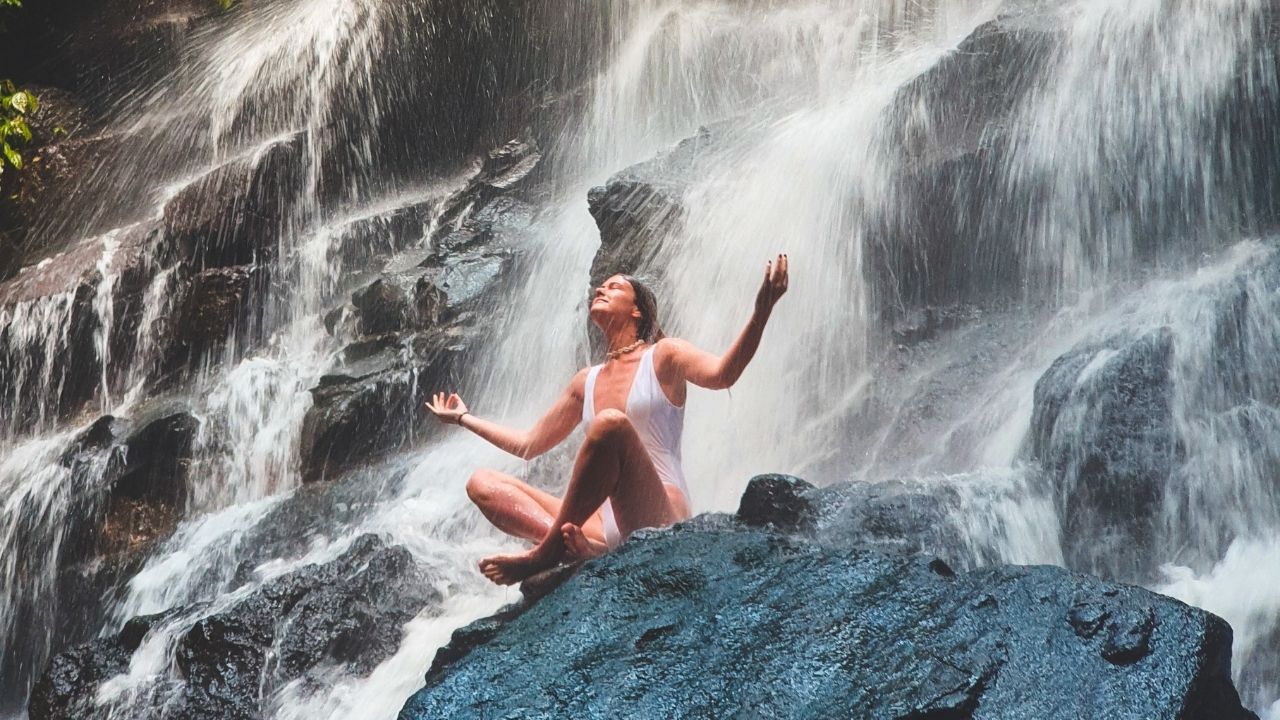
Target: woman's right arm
[(552, 428)]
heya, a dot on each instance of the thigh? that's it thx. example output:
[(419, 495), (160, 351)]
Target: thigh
[(593, 527), (640, 498)]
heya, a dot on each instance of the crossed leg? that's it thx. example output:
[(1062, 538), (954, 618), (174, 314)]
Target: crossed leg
[(612, 464), (519, 509)]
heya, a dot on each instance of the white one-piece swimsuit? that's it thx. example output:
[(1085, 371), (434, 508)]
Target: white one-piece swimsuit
[(658, 423)]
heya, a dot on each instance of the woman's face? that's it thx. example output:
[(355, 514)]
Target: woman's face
[(613, 302)]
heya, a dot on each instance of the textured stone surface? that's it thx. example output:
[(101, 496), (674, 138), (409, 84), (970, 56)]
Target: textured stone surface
[(417, 320), (348, 613), (1103, 430), (721, 623)]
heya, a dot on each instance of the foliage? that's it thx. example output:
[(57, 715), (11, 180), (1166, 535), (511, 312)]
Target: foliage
[(15, 106)]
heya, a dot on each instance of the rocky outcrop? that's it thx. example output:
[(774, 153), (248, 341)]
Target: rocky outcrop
[(71, 681), (346, 613), (124, 485), (1103, 431), (639, 208), (235, 214), (212, 307), (417, 320), (772, 625), (53, 313), (945, 237), (891, 517)]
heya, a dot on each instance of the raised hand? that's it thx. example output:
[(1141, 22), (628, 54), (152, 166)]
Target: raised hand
[(774, 285), (448, 409)]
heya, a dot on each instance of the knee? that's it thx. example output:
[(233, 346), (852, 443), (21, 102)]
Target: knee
[(607, 423), (482, 486)]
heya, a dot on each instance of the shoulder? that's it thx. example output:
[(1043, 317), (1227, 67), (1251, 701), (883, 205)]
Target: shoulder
[(578, 385), (668, 352)]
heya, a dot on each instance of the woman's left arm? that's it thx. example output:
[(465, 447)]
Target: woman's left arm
[(717, 373)]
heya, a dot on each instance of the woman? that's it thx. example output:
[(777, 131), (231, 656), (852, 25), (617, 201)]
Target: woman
[(627, 473)]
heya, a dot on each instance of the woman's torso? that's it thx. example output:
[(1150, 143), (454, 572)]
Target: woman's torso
[(658, 422)]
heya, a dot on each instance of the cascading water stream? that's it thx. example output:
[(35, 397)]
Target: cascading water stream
[(798, 96)]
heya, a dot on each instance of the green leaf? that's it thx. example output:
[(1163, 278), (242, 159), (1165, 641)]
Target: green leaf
[(21, 101), (14, 158), (19, 124)]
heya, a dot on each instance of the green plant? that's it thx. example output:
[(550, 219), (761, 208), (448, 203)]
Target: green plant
[(15, 105)]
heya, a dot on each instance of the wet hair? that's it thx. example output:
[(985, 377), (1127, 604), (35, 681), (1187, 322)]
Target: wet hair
[(647, 328)]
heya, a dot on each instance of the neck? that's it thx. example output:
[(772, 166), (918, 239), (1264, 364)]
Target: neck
[(619, 346)]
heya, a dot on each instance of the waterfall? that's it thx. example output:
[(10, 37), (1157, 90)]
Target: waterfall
[(1103, 202)]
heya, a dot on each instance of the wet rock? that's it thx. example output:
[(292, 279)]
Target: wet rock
[(372, 404), (100, 435), (398, 302), (891, 516), (785, 627), (418, 320), (52, 313), (777, 501), (146, 497), (68, 688), (947, 237), (348, 612), (641, 206), (1102, 428), (48, 330), (214, 306), (235, 214)]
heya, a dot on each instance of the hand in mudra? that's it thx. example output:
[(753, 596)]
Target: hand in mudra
[(448, 409), (774, 285)]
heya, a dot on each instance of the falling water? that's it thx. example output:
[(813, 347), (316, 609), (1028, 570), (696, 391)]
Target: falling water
[(1106, 167)]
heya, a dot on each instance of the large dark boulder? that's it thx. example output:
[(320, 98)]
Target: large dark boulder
[(1103, 430), (890, 516), (346, 613), (721, 623), (69, 686), (642, 206), (372, 403)]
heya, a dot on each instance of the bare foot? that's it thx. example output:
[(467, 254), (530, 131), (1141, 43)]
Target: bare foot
[(578, 546), (511, 569)]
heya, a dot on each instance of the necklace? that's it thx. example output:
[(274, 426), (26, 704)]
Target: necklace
[(615, 354)]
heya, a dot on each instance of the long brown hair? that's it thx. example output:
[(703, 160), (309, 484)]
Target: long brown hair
[(647, 328)]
